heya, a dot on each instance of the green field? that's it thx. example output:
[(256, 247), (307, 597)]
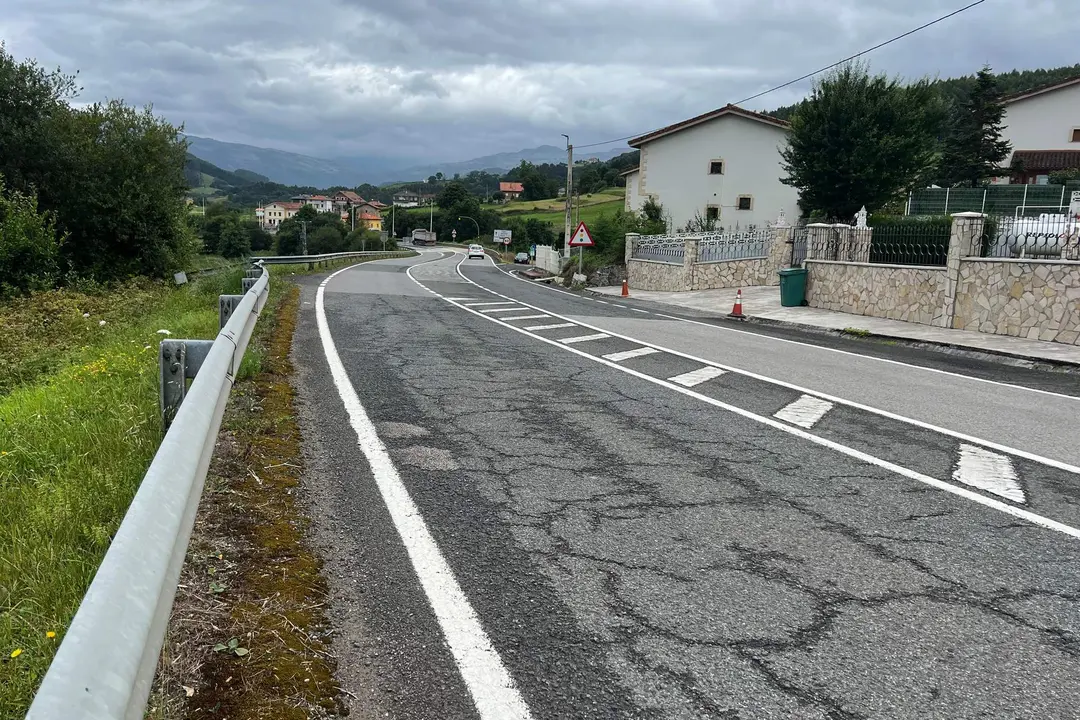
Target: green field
[(553, 211)]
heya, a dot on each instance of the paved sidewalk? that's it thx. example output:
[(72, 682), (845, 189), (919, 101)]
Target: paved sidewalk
[(762, 304)]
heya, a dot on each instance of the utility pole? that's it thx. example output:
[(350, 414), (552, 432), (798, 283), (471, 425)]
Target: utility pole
[(569, 194), (303, 237), (431, 220)]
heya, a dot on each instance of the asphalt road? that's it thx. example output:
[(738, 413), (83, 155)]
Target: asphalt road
[(631, 516)]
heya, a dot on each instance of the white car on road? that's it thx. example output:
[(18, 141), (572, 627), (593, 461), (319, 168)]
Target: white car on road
[(476, 251)]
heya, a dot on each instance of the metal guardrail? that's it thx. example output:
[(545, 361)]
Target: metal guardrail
[(104, 669), (313, 260)]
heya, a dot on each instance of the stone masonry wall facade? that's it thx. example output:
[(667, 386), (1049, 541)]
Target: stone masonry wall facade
[(914, 294), (733, 274), (650, 275), (1031, 299)]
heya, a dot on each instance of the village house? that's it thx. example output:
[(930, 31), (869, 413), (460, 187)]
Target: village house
[(1043, 127), (511, 190), (271, 216), (723, 166), (407, 199), (321, 203)]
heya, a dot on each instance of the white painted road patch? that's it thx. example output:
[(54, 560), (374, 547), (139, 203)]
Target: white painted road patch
[(628, 354), (805, 412), (485, 304), (584, 338), (526, 317), (696, 377), (989, 471), (499, 310), (556, 326)]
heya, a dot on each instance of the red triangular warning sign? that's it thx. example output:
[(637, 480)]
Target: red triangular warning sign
[(581, 238)]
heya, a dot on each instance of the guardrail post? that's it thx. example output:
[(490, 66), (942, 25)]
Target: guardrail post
[(247, 283), (179, 362), (228, 303), (255, 273)]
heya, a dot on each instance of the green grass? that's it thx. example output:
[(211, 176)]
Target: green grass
[(78, 428), (587, 214), (74, 446), (558, 205)]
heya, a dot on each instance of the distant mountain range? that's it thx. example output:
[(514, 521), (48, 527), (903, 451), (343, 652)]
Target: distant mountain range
[(295, 169)]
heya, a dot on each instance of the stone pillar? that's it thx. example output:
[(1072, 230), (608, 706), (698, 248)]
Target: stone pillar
[(817, 241), (779, 253), (690, 259), (964, 241), (632, 240)]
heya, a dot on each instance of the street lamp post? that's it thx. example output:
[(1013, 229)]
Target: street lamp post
[(466, 217)]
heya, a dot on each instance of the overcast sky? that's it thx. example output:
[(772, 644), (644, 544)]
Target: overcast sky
[(455, 79)]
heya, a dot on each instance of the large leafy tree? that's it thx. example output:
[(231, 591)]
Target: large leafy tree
[(974, 150), (453, 194), (860, 140)]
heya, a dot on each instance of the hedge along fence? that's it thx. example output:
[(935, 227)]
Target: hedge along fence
[(907, 240)]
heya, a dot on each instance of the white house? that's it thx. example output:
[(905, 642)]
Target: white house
[(1043, 127), (724, 165)]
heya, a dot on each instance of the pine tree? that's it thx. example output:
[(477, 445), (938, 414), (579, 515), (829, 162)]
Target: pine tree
[(973, 150)]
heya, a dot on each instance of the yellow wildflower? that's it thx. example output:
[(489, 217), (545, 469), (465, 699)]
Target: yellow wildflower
[(16, 652), (50, 634)]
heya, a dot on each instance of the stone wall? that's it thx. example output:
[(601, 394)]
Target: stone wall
[(1038, 300), (733, 274), (914, 294), (652, 275)]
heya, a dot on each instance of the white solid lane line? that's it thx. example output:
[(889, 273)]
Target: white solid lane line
[(988, 471), (556, 326), (493, 691), (948, 487), (525, 317), (628, 354), (499, 310), (486, 304), (805, 412), (696, 377), (585, 338)]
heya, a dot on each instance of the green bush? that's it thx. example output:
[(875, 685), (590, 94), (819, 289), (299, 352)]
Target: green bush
[(29, 246), (905, 240)]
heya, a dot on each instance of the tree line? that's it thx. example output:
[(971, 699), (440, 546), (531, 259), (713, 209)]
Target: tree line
[(863, 139), (91, 193)]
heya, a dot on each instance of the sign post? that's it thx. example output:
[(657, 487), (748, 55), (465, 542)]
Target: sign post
[(503, 236), (453, 234), (581, 240)]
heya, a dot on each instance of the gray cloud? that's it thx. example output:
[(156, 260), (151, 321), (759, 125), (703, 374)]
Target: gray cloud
[(451, 79)]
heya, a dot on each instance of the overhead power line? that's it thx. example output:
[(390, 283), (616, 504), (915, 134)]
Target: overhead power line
[(816, 72)]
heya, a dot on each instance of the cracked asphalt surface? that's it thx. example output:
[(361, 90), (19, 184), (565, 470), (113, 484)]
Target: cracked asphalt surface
[(633, 552)]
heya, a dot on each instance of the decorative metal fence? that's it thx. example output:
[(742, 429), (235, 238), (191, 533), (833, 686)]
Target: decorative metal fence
[(1046, 236), (661, 248), (993, 199), (715, 247), (798, 244)]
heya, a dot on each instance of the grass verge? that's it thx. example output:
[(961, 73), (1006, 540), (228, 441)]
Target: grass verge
[(77, 433), (247, 638)]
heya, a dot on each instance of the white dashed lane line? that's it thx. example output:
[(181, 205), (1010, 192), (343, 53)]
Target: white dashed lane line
[(556, 326), (628, 354), (696, 377), (526, 317), (805, 412), (584, 338)]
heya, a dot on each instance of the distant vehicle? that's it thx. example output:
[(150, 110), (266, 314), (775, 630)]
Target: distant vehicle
[(476, 251), (522, 258), (423, 237)]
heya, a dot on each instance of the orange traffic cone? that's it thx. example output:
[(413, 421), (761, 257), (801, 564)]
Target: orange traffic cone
[(626, 288), (736, 312)]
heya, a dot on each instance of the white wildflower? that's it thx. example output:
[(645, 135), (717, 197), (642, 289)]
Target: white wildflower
[(101, 323), (163, 332), (86, 315)]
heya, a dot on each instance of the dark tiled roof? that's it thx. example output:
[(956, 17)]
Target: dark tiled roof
[(1039, 91), (1049, 160)]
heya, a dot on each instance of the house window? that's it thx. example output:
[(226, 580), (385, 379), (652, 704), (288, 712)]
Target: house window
[(745, 202), (712, 213), (1076, 135), (716, 167)]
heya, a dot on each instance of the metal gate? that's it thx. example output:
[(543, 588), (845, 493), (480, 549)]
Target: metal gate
[(798, 244)]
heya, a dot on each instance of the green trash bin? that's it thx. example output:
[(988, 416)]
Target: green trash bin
[(793, 287)]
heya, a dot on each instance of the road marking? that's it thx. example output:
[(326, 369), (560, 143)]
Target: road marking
[(626, 355), (971, 495), (585, 338), (499, 310), (696, 377), (1034, 457), (492, 688), (525, 317), (641, 311), (550, 327), (602, 302), (988, 471), (805, 412), (485, 304), (460, 299), (773, 338)]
